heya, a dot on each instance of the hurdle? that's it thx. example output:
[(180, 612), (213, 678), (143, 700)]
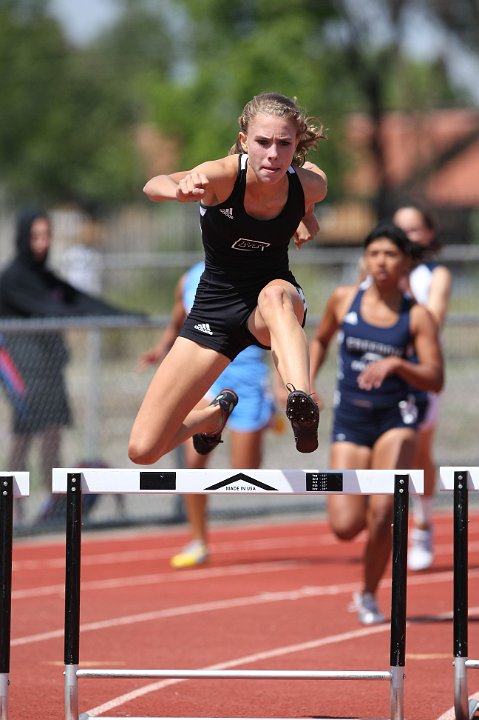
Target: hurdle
[(12, 485), (461, 481), (75, 482)]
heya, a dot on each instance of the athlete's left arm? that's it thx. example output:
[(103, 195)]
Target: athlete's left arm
[(314, 182), (427, 373)]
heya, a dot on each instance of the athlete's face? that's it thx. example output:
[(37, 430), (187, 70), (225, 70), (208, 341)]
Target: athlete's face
[(40, 238), (271, 142), (412, 222), (385, 262)]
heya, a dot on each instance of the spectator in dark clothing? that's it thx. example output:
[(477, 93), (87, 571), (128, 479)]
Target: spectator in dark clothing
[(28, 289)]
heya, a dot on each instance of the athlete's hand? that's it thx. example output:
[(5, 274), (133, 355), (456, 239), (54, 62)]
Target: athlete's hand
[(376, 372), (307, 229), (191, 188)]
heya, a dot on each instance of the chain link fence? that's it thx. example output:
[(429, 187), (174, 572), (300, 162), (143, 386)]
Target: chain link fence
[(96, 359)]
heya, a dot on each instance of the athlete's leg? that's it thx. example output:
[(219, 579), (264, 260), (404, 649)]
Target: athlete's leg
[(196, 504), (348, 513), (425, 460), (276, 322), (246, 448), (394, 449), (421, 549), (167, 416)]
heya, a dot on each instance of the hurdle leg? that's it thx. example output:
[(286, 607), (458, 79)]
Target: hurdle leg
[(464, 708), (72, 594), (398, 595), (6, 530)]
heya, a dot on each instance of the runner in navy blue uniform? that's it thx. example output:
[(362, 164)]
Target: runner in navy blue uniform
[(381, 328), (252, 202)]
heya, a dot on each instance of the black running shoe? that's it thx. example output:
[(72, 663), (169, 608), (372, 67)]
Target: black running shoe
[(204, 443), (303, 413)]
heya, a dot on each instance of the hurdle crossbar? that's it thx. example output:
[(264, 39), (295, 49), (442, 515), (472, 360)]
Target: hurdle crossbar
[(461, 481), (75, 482), (11, 485)]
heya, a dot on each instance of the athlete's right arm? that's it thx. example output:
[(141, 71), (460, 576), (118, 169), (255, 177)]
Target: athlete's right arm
[(211, 182), (329, 324), (155, 355)]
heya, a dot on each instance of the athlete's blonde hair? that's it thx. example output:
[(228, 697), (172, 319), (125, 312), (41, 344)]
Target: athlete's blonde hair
[(309, 130)]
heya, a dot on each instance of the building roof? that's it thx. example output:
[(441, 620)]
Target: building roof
[(435, 154)]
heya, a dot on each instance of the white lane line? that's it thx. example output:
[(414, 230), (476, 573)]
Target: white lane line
[(256, 657), (156, 578), (127, 556), (315, 539), (451, 713), (205, 573), (262, 598)]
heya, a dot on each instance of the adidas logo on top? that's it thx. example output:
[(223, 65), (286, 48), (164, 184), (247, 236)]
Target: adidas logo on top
[(228, 212), (204, 328)]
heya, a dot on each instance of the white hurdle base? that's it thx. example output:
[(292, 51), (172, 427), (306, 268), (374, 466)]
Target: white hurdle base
[(303, 482)]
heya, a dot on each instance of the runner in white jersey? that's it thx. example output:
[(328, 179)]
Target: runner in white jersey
[(430, 284)]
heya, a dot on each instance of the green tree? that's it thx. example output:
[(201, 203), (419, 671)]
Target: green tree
[(67, 112)]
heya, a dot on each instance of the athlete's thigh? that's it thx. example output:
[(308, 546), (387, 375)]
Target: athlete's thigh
[(396, 448), (257, 324), (179, 383)]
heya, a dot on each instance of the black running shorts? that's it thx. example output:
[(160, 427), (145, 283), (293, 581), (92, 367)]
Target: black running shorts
[(220, 312)]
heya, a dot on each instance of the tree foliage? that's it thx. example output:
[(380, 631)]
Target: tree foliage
[(188, 67)]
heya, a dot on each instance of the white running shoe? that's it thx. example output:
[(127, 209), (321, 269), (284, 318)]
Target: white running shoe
[(364, 603), (420, 554), (195, 553)]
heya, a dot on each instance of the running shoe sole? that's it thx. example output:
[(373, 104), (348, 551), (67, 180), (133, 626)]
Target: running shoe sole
[(303, 413)]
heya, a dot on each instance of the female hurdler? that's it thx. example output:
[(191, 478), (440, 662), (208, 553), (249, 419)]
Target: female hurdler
[(252, 202)]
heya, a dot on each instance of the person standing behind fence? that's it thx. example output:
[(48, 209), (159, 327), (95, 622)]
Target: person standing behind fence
[(248, 376), (375, 415), (252, 202), (28, 289), (430, 283)]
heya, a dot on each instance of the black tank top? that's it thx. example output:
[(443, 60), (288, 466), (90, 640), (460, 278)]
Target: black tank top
[(239, 247)]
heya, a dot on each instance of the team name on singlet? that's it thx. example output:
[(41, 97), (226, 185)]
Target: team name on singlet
[(250, 245), (354, 344)]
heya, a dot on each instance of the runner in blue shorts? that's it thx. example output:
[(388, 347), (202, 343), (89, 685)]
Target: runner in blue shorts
[(381, 331)]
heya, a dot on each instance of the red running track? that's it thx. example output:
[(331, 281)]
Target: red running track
[(273, 596)]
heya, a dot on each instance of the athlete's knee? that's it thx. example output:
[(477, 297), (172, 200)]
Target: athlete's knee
[(345, 529), (142, 452), (273, 298)]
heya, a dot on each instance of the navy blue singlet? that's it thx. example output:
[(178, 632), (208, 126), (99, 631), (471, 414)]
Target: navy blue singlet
[(361, 343)]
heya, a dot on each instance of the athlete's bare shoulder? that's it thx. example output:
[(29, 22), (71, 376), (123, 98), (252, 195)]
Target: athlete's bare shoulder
[(221, 176), (314, 182)]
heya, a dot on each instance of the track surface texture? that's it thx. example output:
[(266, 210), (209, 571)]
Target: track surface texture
[(274, 595)]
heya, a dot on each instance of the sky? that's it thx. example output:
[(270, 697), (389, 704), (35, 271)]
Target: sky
[(83, 20)]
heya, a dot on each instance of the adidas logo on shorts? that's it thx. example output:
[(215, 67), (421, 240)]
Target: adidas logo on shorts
[(204, 328)]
